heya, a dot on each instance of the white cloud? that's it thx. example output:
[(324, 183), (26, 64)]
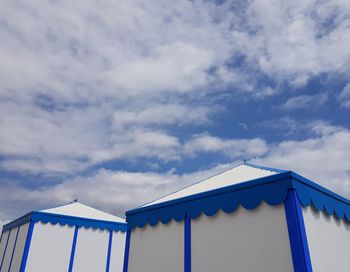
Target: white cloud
[(323, 158), (344, 97), (232, 148), (305, 102)]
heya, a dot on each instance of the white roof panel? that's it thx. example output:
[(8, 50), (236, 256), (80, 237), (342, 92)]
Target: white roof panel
[(241, 173), (77, 209)]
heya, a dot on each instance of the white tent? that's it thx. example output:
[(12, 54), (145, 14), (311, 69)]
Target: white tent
[(249, 218), (73, 237)]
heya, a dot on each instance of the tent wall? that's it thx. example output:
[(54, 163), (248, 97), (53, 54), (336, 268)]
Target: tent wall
[(91, 250), (50, 248), (117, 252), (255, 240), (19, 249), (157, 249), (328, 240), (3, 245), (9, 250)]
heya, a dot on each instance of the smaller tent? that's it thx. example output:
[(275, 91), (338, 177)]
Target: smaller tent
[(72, 237)]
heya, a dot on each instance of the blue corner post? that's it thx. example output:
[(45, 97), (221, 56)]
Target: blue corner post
[(74, 245), (27, 246), (297, 233), (187, 243), (14, 248), (109, 250), (3, 256), (127, 249)]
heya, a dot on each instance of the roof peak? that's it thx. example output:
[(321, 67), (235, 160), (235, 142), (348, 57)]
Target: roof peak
[(77, 209)]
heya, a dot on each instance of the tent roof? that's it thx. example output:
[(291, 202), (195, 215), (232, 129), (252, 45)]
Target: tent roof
[(77, 209), (237, 174), (245, 185), (72, 214)]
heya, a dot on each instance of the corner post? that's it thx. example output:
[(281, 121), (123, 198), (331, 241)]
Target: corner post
[(109, 250), (187, 242), (127, 249), (297, 233), (27, 246), (74, 245)]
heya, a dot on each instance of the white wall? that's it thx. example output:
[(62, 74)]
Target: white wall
[(9, 250), (157, 249), (19, 249), (117, 252), (329, 241), (91, 250), (3, 244), (243, 241), (50, 248)]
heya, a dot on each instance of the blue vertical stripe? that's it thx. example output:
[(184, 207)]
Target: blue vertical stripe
[(74, 245), (187, 244), (109, 250), (297, 233), (14, 248), (3, 256), (127, 248), (27, 246)]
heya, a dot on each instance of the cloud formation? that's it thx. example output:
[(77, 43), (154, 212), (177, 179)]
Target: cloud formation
[(83, 84)]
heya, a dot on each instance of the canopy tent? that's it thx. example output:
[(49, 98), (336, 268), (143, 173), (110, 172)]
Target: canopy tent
[(249, 218), (72, 237)]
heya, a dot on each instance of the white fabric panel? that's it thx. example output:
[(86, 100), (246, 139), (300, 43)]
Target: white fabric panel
[(91, 250), (329, 241), (243, 241), (232, 176), (18, 254), (3, 243), (157, 249), (117, 252), (80, 210), (50, 248), (8, 253)]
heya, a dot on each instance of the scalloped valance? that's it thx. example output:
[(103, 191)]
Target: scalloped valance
[(66, 220), (271, 189)]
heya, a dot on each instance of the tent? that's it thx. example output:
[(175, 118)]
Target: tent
[(73, 237), (249, 218)]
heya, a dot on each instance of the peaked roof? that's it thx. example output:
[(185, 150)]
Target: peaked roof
[(237, 174), (77, 209), (72, 214), (245, 185)]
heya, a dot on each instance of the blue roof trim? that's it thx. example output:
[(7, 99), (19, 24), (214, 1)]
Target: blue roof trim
[(272, 190), (265, 168), (66, 220)]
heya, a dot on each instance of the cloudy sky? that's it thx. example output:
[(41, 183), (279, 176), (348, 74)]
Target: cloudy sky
[(119, 102)]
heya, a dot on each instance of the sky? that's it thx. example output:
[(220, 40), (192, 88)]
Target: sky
[(117, 103)]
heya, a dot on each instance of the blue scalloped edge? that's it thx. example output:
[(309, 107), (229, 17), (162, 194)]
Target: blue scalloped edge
[(272, 190), (66, 220)]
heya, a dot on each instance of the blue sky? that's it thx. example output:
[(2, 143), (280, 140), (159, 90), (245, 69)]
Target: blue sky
[(116, 103)]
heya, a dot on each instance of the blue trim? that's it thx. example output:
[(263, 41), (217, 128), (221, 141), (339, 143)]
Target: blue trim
[(297, 234), (66, 220), (187, 243), (271, 189), (126, 252), (74, 245), (27, 246), (265, 168), (14, 248), (109, 250), (3, 256)]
